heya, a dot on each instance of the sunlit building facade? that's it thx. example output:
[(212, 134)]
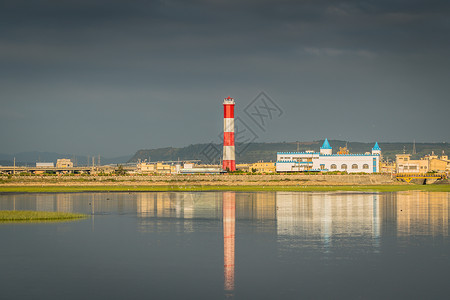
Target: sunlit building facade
[(326, 161)]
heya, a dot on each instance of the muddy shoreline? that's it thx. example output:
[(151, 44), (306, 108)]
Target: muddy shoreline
[(204, 180)]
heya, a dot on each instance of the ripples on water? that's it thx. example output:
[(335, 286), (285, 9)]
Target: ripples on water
[(208, 245)]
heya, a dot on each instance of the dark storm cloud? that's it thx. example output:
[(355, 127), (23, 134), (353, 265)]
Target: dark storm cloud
[(288, 22), (111, 56), (85, 34)]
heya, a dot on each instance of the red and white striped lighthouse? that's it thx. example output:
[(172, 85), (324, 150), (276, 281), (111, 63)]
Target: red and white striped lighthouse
[(229, 162)]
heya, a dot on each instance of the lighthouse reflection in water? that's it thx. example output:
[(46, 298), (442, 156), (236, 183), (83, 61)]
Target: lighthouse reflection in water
[(229, 217)]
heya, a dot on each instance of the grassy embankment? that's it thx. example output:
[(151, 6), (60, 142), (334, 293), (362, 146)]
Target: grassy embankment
[(247, 188), (13, 216)]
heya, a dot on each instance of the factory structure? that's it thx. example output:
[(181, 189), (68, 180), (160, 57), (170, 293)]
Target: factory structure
[(326, 161)]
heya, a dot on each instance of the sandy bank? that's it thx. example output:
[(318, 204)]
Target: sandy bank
[(216, 180)]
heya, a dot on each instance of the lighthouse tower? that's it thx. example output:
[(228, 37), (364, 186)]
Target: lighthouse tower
[(229, 162)]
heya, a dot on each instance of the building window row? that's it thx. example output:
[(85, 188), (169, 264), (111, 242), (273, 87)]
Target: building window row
[(409, 167), (344, 166)]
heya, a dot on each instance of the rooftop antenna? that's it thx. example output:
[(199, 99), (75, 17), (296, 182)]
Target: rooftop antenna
[(414, 147)]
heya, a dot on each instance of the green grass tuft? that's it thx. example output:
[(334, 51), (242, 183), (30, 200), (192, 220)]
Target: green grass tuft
[(8, 216)]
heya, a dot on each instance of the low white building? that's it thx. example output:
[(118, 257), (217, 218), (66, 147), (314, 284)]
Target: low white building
[(45, 165), (326, 161)]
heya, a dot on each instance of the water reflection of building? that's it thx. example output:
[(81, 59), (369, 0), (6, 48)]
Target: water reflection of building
[(229, 219), (422, 213), (324, 215), (45, 202), (178, 205), (256, 206), (54, 202), (362, 215), (64, 203), (17, 202)]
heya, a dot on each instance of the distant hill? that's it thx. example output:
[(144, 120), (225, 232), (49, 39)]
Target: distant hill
[(249, 153), (30, 158)]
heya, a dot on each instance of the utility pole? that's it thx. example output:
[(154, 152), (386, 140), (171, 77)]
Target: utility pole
[(14, 169)]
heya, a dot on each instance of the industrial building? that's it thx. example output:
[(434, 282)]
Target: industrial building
[(176, 168), (263, 167), (64, 163), (159, 167), (326, 161), (258, 167), (429, 163)]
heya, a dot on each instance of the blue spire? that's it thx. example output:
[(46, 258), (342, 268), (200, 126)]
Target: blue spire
[(326, 145), (376, 147)]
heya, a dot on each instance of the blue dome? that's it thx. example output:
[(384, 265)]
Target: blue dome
[(376, 147), (326, 145)]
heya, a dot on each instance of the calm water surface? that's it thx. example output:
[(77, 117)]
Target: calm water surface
[(216, 245)]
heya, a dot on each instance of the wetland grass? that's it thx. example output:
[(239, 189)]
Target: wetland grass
[(23, 216)]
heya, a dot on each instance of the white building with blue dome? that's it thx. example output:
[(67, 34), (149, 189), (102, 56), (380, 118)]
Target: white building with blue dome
[(326, 161)]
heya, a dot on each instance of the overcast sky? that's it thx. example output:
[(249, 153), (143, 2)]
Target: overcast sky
[(111, 77)]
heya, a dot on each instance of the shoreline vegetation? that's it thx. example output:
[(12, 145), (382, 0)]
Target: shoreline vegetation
[(227, 182), (237, 188), (26, 216)]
